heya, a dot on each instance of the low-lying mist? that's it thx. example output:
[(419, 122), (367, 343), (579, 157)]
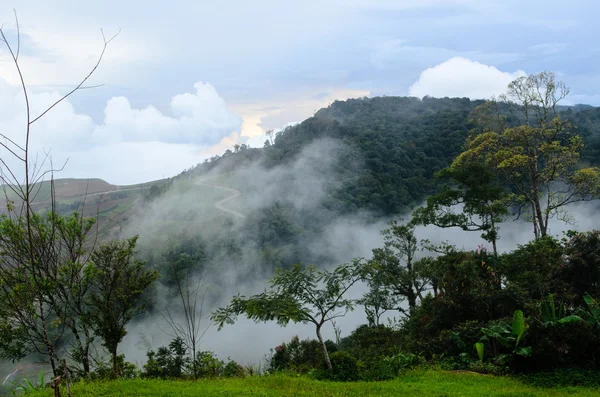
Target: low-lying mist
[(226, 212)]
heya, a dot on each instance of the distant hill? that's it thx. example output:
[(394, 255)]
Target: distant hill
[(97, 198)]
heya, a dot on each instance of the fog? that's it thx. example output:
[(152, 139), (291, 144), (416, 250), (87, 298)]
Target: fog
[(302, 184)]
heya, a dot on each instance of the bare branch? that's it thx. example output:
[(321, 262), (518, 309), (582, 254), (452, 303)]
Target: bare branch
[(11, 141), (18, 35), (106, 42)]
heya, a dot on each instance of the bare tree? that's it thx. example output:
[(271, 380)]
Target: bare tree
[(190, 288)]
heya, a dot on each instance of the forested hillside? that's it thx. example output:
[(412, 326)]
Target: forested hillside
[(395, 144), (372, 158)]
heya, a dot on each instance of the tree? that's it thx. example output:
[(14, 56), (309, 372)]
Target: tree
[(117, 292), (32, 251), (305, 295), (74, 282), (378, 300), (538, 159), (30, 313), (191, 291), (270, 137), (393, 266), (474, 201)]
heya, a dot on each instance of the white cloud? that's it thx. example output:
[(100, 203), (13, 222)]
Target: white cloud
[(200, 119), (130, 145), (462, 77)]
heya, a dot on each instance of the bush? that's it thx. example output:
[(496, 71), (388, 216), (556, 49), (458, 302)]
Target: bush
[(299, 356), (561, 346), (369, 344), (564, 377), (104, 369), (167, 362), (208, 365), (233, 370), (345, 367)]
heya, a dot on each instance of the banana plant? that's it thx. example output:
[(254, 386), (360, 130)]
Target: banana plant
[(480, 347), (553, 315), (592, 315), (509, 336), (26, 386)]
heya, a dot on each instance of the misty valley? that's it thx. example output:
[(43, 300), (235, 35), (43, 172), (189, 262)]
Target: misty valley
[(385, 245)]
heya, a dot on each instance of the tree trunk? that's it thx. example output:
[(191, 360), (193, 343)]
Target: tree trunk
[(83, 351), (115, 362), (412, 300), (324, 348)]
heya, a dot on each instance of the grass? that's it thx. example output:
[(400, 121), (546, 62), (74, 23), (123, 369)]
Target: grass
[(431, 383)]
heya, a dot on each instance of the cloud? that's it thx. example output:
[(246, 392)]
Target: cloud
[(200, 119), (130, 145), (462, 77)]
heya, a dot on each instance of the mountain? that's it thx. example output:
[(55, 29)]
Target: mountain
[(308, 196)]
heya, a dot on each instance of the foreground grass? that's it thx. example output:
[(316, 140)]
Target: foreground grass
[(432, 383)]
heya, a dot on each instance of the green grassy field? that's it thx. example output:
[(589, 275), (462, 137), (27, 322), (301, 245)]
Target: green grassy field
[(432, 383)]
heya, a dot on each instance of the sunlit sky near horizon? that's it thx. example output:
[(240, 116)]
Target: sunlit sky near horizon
[(185, 80)]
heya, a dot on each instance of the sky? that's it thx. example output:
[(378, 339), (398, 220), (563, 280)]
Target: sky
[(187, 79)]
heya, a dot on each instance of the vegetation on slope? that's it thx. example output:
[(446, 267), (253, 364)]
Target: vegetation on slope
[(430, 383)]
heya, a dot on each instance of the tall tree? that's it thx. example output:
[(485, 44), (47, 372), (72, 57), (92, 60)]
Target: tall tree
[(393, 267), (304, 295), (117, 292), (538, 159), (473, 200)]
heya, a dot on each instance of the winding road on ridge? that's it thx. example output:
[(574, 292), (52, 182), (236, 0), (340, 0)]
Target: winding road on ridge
[(219, 204)]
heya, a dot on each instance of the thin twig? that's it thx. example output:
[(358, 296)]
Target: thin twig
[(106, 42)]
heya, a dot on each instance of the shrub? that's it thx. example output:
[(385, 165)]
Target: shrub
[(299, 356), (561, 346), (208, 365), (104, 369), (564, 377), (233, 370), (167, 362), (345, 367), (369, 344)]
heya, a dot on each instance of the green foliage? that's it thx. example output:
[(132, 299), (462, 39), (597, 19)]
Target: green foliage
[(551, 315), (299, 295), (580, 271), (208, 365), (418, 383), (564, 377), (479, 193), (104, 369), (345, 368), (593, 310), (117, 292), (42, 258), (25, 386), (480, 347), (534, 158), (299, 356), (233, 370), (507, 336), (370, 344), (394, 276), (167, 362)]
